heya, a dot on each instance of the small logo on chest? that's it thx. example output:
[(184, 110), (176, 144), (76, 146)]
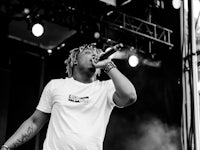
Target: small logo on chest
[(77, 99)]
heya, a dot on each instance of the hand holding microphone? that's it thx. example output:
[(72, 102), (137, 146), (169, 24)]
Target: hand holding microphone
[(103, 59)]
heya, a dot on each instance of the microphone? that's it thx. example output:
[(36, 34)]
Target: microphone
[(110, 51)]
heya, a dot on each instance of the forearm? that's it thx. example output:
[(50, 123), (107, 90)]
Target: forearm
[(24, 133), (124, 88), (125, 91)]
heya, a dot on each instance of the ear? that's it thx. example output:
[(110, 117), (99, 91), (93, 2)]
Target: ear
[(75, 62)]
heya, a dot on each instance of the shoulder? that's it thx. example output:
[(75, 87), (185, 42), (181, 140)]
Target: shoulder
[(55, 82)]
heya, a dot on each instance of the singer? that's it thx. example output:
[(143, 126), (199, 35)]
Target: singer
[(79, 106)]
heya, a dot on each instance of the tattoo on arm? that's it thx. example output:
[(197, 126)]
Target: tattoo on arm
[(25, 137)]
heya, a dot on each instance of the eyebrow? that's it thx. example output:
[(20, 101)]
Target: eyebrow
[(91, 50), (94, 50)]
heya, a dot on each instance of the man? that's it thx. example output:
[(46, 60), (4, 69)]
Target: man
[(78, 106)]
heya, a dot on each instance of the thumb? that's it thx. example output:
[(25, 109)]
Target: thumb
[(101, 64)]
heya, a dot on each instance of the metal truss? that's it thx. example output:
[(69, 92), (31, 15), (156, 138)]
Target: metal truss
[(139, 27)]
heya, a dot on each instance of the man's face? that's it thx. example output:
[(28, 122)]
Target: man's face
[(85, 59)]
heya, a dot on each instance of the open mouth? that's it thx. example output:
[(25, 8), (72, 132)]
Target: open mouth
[(92, 68)]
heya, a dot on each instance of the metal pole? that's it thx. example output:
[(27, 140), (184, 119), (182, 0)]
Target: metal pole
[(192, 47), (185, 86)]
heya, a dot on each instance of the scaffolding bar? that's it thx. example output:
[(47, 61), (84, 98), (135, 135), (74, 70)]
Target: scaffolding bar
[(140, 27), (196, 103)]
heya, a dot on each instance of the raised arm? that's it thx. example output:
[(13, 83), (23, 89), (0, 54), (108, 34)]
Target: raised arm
[(27, 130), (125, 93)]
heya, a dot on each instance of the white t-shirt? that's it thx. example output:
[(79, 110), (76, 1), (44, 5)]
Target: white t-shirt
[(79, 113)]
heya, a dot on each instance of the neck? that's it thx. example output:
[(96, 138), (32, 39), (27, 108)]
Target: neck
[(81, 77)]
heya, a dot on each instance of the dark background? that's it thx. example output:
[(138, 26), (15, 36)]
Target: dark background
[(26, 67)]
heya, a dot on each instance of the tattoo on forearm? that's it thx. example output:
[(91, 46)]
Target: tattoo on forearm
[(24, 137)]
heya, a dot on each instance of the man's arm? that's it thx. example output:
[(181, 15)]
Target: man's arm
[(125, 93), (27, 130)]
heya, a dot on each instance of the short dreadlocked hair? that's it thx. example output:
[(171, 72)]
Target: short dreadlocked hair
[(73, 56)]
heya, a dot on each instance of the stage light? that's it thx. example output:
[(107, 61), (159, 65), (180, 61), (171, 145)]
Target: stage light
[(26, 11), (176, 3), (159, 4), (37, 29), (97, 35), (49, 51), (35, 25), (133, 60)]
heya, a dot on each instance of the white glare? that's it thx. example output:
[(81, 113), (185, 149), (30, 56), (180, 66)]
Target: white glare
[(37, 29), (26, 10), (49, 51), (133, 61), (176, 4)]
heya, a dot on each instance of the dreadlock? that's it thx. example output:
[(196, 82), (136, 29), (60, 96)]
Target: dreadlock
[(74, 53)]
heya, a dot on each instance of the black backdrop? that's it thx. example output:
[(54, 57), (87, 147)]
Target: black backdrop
[(25, 69)]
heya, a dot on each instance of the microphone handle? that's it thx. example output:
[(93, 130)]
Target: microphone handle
[(107, 54), (111, 51)]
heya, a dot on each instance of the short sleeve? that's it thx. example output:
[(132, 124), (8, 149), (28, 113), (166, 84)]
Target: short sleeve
[(110, 91), (45, 103)]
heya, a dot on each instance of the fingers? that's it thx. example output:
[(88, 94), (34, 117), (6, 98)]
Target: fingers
[(100, 64)]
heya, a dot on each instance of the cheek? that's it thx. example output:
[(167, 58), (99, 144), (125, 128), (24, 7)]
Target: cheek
[(80, 59), (83, 60)]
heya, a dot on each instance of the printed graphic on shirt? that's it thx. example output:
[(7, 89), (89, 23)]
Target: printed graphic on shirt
[(77, 99)]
